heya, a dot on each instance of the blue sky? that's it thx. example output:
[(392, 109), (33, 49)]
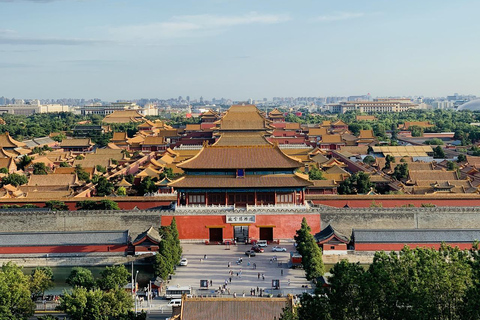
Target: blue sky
[(240, 49)]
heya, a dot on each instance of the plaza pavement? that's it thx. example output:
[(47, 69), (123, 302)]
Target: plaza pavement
[(215, 268)]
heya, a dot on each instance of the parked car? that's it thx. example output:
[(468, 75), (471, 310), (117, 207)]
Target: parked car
[(257, 249), (184, 262), (262, 243), (250, 253), (175, 303), (279, 249)]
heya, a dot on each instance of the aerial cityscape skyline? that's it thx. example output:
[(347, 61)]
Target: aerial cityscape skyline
[(220, 48)]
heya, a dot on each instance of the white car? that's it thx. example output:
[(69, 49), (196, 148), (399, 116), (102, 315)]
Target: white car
[(279, 249), (262, 243), (184, 262)]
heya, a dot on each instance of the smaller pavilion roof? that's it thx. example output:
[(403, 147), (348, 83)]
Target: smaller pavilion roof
[(328, 234), (151, 234), (123, 183), (148, 172)]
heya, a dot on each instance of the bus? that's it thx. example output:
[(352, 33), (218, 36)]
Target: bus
[(177, 292)]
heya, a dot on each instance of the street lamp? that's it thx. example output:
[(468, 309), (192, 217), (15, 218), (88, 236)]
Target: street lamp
[(136, 274)]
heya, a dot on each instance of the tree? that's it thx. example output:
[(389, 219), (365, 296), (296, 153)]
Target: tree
[(121, 191), (438, 153), (167, 172), (15, 301), (86, 205), (452, 166), (41, 280), (15, 179), (97, 205), (346, 294), (104, 187), (357, 183), (4, 170), (401, 171), (461, 158), (64, 165), (434, 141), (56, 205), (59, 137), (40, 168), (96, 304), (100, 168), (170, 251), (369, 160), (81, 173), (315, 174), (288, 314), (388, 160), (115, 277), (311, 253), (81, 277), (416, 131), (108, 205), (147, 186), (24, 162), (177, 255)]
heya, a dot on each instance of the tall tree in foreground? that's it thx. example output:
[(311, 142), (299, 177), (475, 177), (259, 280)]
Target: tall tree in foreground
[(15, 295), (41, 280), (311, 253)]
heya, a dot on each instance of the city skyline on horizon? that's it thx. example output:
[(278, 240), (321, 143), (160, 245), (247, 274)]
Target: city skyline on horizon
[(119, 51)]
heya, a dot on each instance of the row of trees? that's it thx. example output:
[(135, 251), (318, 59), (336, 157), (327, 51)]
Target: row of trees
[(170, 251), (98, 299), (419, 283)]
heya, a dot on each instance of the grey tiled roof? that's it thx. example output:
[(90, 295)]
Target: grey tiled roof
[(415, 235), (229, 308), (9, 239)]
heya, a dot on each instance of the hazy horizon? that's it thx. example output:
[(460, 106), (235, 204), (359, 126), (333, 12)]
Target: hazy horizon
[(116, 50)]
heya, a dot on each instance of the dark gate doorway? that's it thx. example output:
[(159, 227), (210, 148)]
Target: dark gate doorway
[(240, 233), (216, 235), (266, 233)]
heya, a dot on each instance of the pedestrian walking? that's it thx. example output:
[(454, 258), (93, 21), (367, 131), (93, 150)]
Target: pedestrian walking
[(205, 257), (281, 272), (254, 266), (263, 276), (258, 289), (234, 294), (243, 294), (288, 281), (230, 279), (211, 283), (258, 275)]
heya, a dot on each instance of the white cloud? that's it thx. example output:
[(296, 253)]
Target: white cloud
[(193, 25), (340, 16)]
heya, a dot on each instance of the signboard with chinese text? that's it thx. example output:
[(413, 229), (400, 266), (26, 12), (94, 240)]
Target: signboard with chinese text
[(240, 218)]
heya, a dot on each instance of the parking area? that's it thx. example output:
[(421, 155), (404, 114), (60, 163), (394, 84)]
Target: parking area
[(253, 272)]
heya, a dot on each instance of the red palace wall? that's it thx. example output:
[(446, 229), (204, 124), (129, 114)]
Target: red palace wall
[(63, 249), (195, 227), (399, 246)]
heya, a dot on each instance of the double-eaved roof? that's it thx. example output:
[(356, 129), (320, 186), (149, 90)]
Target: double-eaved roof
[(248, 157), (243, 117), (249, 181)]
